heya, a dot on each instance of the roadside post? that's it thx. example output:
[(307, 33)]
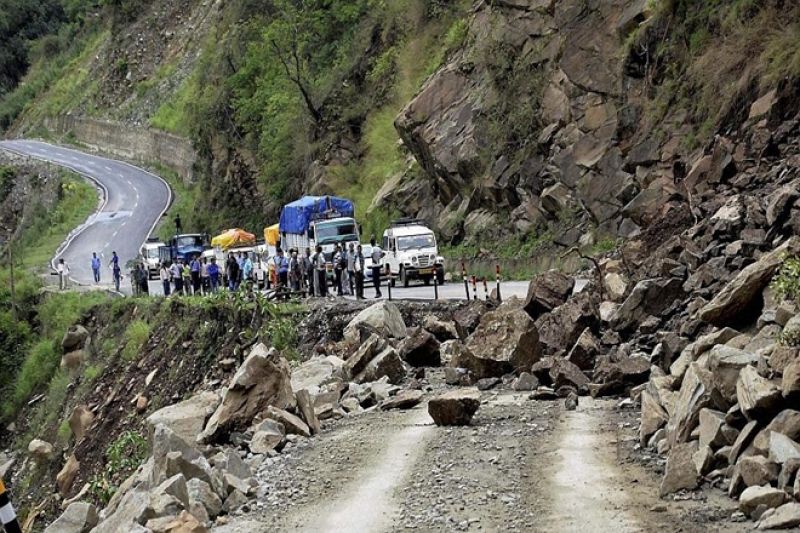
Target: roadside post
[(8, 517), (485, 289), (474, 287), (497, 272), (464, 277), (389, 282), (435, 286)]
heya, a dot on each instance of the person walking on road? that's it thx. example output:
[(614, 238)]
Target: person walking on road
[(377, 260), (232, 271), (194, 271), (213, 274), (63, 274), (96, 267), (164, 275), (116, 272), (358, 272)]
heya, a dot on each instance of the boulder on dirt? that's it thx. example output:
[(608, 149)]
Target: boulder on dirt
[(383, 316), (306, 407), (584, 351), (187, 418), (267, 435), (680, 472), (291, 423), (558, 372), (420, 348), (712, 434), (697, 392), (386, 364), (316, 372), (654, 417), (505, 341), (619, 376), (403, 400), (66, 476), (444, 330), (525, 382), (71, 361), (784, 517), (74, 338), (79, 421), (649, 297), (561, 328), (738, 299), (547, 291), (41, 451), (725, 364), (79, 517), (365, 353), (454, 408), (782, 448), (173, 455), (758, 397), (757, 470), (262, 380), (790, 382), (201, 493), (756, 496)]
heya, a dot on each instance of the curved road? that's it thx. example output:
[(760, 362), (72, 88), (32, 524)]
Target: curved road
[(133, 201)]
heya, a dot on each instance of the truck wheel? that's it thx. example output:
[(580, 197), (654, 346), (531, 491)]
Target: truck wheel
[(403, 277), (440, 276)]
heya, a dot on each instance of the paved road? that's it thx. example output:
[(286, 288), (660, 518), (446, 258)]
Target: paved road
[(449, 291), (133, 202)]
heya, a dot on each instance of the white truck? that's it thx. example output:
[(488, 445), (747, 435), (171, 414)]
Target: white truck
[(315, 221), (411, 252), (151, 257)]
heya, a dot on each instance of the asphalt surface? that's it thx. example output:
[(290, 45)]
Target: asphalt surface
[(133, 200)]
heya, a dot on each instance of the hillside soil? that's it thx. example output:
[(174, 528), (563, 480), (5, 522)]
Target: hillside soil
[(522, 465)]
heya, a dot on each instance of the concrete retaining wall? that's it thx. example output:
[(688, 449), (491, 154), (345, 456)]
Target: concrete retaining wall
[(129, 142)]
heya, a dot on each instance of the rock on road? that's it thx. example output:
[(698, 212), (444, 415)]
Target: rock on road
[(133, 202)]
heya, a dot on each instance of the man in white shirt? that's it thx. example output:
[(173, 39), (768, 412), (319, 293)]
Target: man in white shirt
[(63, 274), (377, 266)]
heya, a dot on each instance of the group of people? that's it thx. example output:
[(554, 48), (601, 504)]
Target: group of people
[(309, 272), (63, 270), (195, 276)]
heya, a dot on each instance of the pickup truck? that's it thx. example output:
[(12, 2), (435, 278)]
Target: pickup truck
[(411, 252)]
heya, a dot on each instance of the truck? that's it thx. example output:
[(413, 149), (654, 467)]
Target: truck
[(184, 247), (411, 252), (315, 221), (151, 257)]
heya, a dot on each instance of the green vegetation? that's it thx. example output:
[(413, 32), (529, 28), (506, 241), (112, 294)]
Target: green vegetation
[(786, 282), (123, 457), (136, 336)]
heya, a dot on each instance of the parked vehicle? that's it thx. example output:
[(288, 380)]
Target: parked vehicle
[(411, 252), (318, 220), (184, 247), (151, 257)]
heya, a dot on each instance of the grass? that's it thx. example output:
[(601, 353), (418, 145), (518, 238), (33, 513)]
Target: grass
[(136, 336)]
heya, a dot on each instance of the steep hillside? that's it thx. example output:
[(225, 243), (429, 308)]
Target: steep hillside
[(504, 123)]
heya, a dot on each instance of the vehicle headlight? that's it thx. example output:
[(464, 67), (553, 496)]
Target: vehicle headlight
[(415, 259)]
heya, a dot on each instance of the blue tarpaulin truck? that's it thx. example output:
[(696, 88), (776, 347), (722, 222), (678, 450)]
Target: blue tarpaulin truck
[(318, 220), (184, 247)]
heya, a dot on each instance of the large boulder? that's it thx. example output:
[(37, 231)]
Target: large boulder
[(740, 298), (387, 364), (654, 417), (80, 420), (558, 372), (757, 496), (267, 435), (505, 341), (561, 328), (262, 381), (584, 351), (291, 423), (79, 517), (315, 373), (66, 476), (547, 291), (757, 470), (74, 339), (187, 418), (784, 517), (725, 363), (613, 377), (680, 472), (420, 348), (696, 393), (759, 398), (365, 353), (649, 297), (383, 316), (454, 408), (782, 448), (40, 450)]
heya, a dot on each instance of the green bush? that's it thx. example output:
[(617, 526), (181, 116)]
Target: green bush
[(123, 457), (38, 368), (786, 282), (136, 336)]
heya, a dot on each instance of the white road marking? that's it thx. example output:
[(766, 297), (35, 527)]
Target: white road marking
[(107, 168)]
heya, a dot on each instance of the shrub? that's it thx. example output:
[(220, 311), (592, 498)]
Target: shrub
[(38, 368), (786, 282), (123, 456), (136, 336)]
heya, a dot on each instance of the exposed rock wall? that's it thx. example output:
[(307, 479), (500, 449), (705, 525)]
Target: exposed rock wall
[(129, 142)]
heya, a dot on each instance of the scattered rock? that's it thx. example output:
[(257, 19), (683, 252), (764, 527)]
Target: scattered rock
[(546, 292), (306, 407), (454, 408), (680, 471), (784, 517), (74, 338), (420, 348), (79, 421), (79, 517), (66, 476), (756, 496), (758, 397), (383, 316), (292, 424), (403, 400), (41, 451)]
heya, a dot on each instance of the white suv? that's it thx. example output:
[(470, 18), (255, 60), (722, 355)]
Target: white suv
[(411, 252)]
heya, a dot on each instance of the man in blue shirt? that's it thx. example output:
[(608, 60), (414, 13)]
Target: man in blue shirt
[(213, 274), (194, 268), (96, 267), (282, 268)]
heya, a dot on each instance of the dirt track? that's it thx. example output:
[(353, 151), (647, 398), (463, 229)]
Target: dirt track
[(523, 465)]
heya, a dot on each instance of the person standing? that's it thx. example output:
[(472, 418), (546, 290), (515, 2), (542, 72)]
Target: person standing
[(134, 276), (232, 271), (377, 266), (187, 278), (96, 267), (116, 272), (282, 268), (63, 274), (247, 269), (321, 281), (205, 284), (213, 274), (163, 275), (194, 271), (339, 264), (351, 276), (178, 225), (177, 277), (358, 272), (308, 270), (295, 271)]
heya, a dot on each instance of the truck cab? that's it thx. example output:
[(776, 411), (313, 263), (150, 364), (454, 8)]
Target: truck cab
[(151, 257), (184, 247), (412, 253)]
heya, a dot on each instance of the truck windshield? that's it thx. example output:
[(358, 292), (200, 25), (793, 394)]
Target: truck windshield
[(416, 241), (187, 241), (152, 253), (335, 232)]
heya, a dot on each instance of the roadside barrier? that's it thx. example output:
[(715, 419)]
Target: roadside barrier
[(7, 515), (497, 273), (464, 277), (474, 287), (485, 289)]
